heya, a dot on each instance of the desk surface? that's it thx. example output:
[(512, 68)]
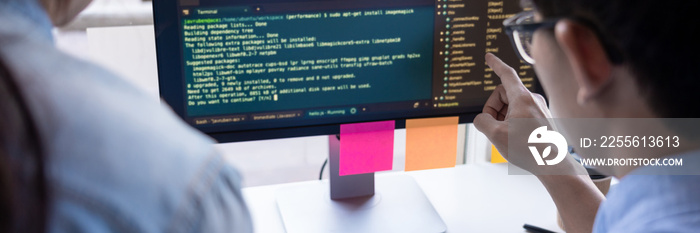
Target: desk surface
[(469, 198)]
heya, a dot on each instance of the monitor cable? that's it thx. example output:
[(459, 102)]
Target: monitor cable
[(320, 175)]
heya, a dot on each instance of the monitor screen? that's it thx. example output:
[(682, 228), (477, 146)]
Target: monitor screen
[(249, 70)]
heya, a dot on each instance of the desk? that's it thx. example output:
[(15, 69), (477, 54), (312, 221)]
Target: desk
[(469, 198)]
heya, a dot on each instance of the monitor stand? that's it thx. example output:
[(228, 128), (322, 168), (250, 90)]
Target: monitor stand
[(352, 205)]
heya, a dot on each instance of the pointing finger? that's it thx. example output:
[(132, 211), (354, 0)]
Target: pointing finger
[(509, 78)]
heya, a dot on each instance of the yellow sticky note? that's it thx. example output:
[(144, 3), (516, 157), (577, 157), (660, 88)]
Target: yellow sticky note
[(496, 156), (431, 143)]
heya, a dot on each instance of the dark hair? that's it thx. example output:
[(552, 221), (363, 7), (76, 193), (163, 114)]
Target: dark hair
[(23, 190), (657, 40)]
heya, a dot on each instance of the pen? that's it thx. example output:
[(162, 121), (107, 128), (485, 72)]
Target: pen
[(531, 228)]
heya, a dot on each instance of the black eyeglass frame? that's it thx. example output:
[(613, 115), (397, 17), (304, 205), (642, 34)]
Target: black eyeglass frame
[(612, 52)]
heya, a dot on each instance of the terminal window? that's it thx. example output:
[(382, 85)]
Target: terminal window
[(275, 60)]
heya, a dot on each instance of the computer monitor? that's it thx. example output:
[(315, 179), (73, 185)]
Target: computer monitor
[(249, 70), (262, 69)]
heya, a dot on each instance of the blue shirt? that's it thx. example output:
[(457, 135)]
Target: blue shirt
[(653, 203), (116, 160)]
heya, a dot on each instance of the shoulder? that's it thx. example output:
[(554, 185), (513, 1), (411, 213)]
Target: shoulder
[(651, 203), (118, 160)]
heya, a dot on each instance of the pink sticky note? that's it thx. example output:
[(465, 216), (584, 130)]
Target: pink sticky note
[(366, 147)]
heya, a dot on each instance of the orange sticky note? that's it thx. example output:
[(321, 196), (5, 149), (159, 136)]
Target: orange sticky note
[(496, 156), (431, 143)]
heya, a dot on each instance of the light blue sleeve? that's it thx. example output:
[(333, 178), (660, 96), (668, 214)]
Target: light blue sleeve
[(649, 203)]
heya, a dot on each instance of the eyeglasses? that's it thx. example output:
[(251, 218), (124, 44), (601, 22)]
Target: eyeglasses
[(522, 26), (520, 29)]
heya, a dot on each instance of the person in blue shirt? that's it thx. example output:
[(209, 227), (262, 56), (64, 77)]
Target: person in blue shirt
[(607, 59), (82, 150)]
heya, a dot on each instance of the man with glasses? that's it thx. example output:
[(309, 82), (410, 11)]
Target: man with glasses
[(606, 59)]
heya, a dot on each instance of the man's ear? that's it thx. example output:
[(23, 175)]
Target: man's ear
[(587, 57)]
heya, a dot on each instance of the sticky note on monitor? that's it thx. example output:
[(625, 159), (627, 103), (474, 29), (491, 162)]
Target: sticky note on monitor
[(431, 143), (496, 157), (366, 147)]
